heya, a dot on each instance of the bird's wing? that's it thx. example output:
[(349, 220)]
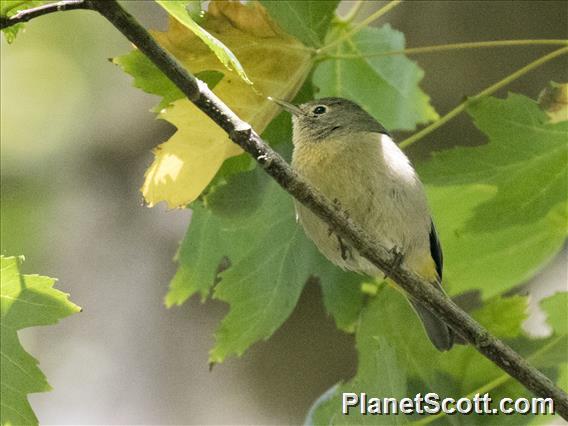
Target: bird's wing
[(436, 250)]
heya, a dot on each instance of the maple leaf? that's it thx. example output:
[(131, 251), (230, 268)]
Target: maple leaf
[(26, 301), (274, 61)]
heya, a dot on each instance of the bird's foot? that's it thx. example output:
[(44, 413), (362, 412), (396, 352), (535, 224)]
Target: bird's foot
[(339, 207), (398, 258)]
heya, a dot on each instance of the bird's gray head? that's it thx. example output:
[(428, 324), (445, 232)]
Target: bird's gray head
[(323, 118)]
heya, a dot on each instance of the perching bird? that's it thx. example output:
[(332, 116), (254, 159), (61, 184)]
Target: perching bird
[(350, 157)]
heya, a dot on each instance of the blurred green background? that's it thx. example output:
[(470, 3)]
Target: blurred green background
[(75, 141)]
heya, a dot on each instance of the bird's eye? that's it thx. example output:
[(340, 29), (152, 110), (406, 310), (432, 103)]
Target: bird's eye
[(320, 109)]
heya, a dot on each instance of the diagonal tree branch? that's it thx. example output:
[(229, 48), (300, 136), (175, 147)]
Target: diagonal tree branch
[(242, 134)]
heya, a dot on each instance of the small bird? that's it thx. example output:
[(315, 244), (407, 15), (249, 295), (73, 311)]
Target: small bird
[(351, 158)]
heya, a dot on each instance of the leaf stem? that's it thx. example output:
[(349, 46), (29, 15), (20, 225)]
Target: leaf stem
[(488, 91), (365, 22), (453, 46)]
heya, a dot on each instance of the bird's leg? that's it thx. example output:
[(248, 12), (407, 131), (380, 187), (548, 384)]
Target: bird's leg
[(337, 206), (345, 250)]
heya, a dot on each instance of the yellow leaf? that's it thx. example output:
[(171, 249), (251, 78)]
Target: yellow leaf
[(275, 62), (193, 154), (178, 10)]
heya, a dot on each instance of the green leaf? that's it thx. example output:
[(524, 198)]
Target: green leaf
[(198, 261), (269, 267), (381, 370), (150, 79), (383, 376), (563, 379), (472, 373), (554, 353), (178, 10), (10, 8), (556, 308), (342, 295), (500, 208), (549, 352), (241, 196), (227, 198), (251, 223), (263, 287), (306, 20), (410, 365), (26, 301), (525, 161), (491, 261), (386, 86), (504, 316)]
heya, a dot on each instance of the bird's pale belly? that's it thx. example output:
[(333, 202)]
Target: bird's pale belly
[(376, 204), (339, 251)]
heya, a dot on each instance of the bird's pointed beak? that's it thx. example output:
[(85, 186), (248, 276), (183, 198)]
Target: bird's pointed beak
[(286, 106)]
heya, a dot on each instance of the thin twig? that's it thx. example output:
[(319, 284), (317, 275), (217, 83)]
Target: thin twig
[(27, 14), (364, 23), (242, 134), (446, 47), (490, 90)]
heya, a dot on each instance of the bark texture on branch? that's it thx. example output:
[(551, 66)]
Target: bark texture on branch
[(242, 134), (27, 14)]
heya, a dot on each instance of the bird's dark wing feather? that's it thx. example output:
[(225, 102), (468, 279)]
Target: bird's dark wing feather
[(439, 333), (436, 250)]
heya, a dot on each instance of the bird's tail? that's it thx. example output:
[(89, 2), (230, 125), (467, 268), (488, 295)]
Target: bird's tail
[(438, 332), (442, 336)]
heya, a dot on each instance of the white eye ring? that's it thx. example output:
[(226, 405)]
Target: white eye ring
[(320, 109)]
